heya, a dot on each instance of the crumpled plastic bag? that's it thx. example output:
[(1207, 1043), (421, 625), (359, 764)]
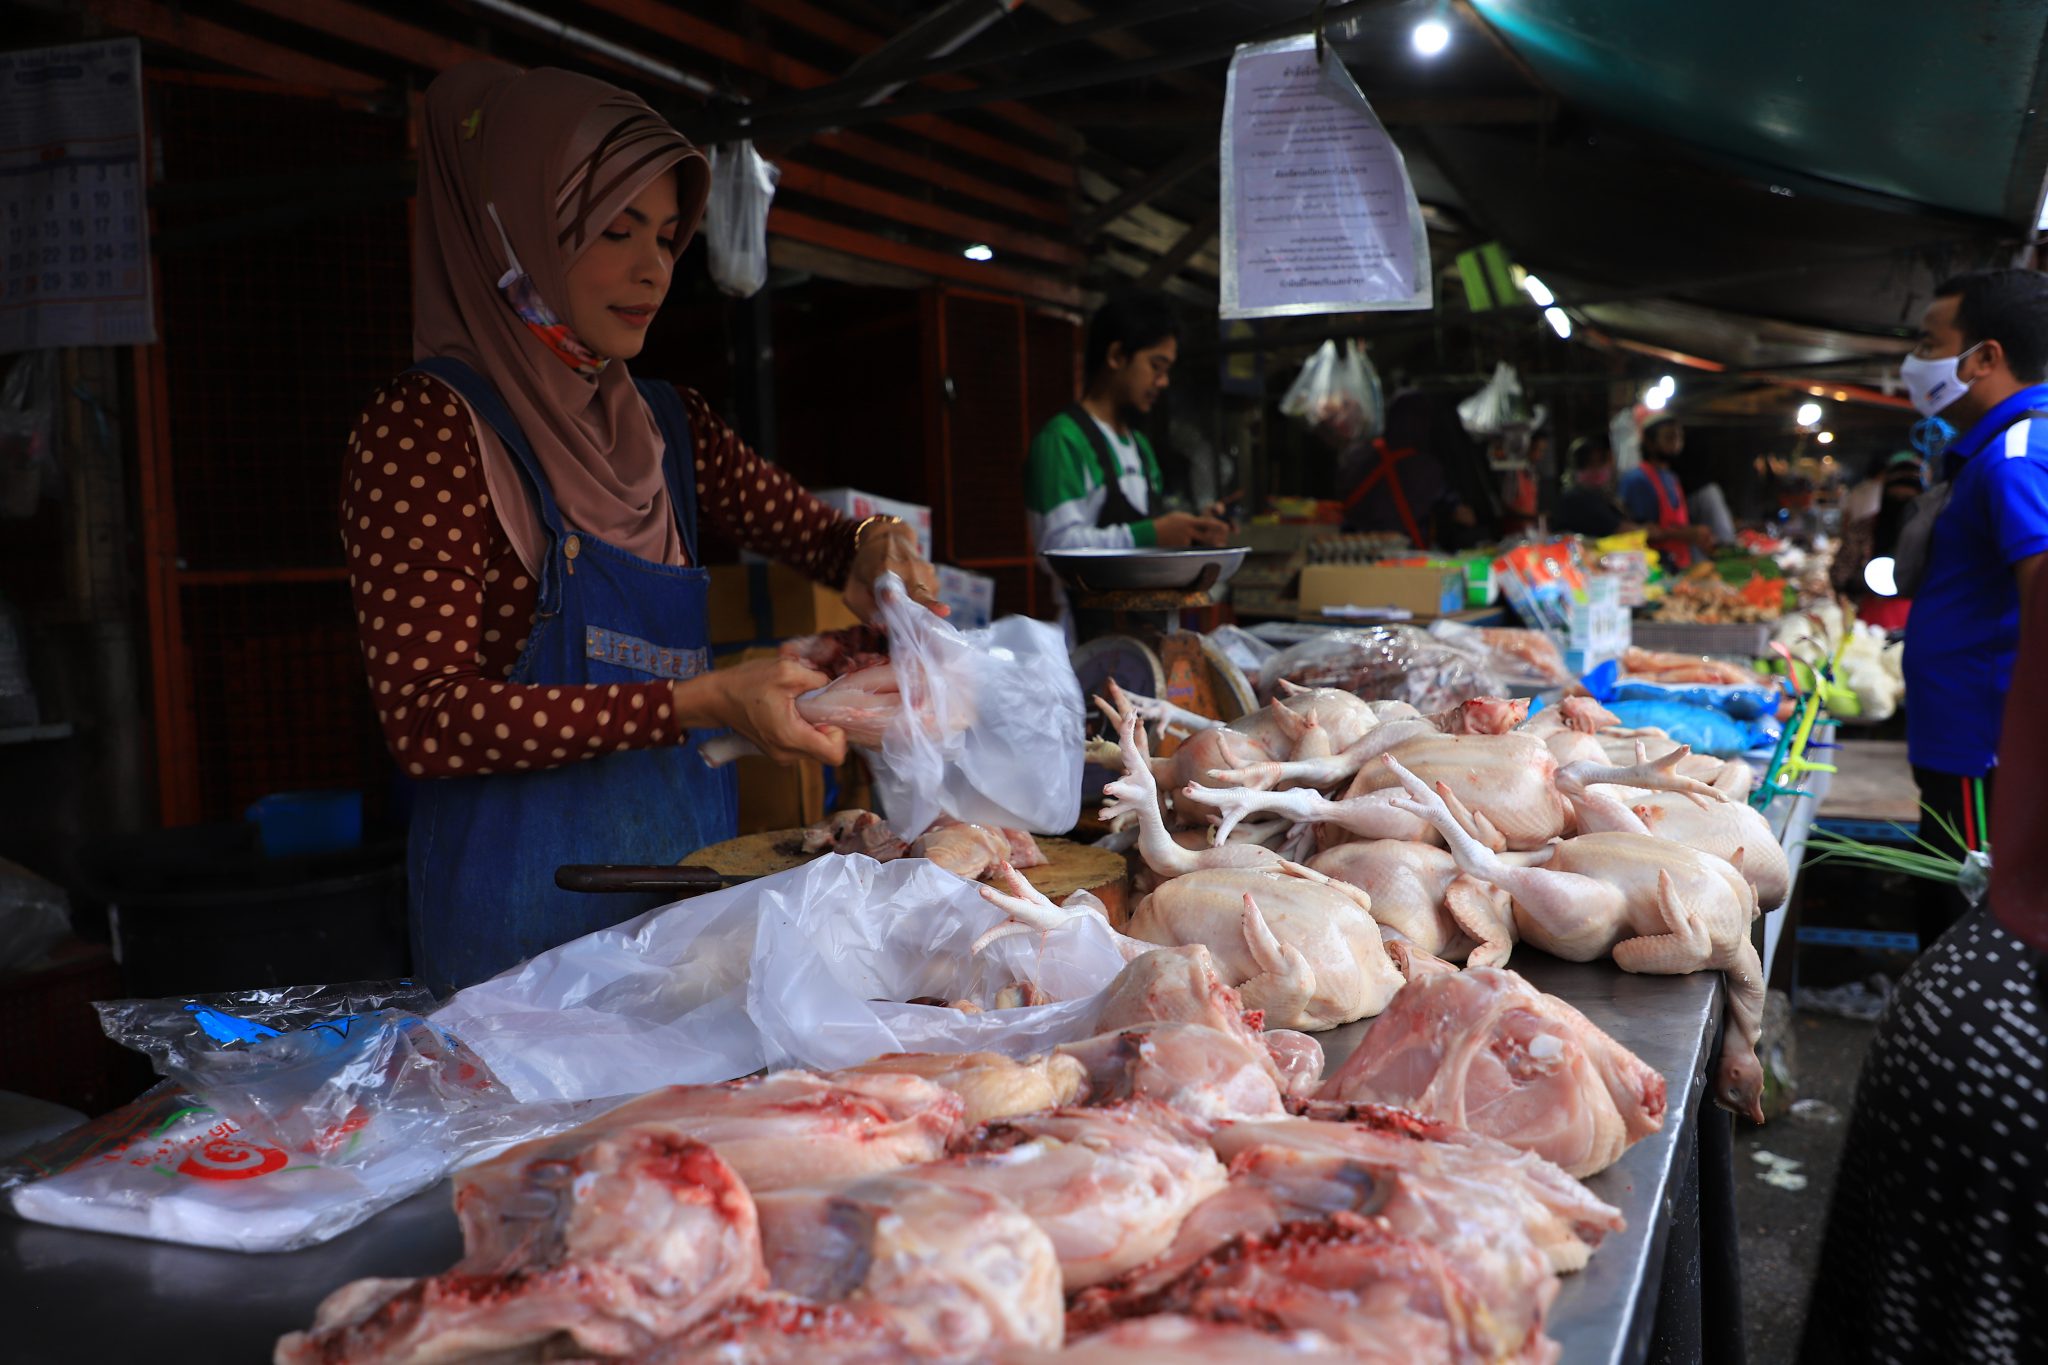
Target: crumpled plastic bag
[(1498, 405), (1385, 663), (1705, 729), (809, 967), (1337, 395), (280, 1122), (993, 728), (736, 217)]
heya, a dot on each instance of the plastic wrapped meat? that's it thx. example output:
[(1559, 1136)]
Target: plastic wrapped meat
[(1386, 663), (839, 652)]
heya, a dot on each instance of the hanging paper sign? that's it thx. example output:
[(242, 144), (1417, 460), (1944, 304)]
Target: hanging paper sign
[(74, 226), (1318, 213)]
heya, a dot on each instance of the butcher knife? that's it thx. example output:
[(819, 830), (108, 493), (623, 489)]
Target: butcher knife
[(669, 880)]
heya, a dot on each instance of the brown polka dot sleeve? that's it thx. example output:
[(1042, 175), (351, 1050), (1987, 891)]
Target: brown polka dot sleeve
[(443, 605)]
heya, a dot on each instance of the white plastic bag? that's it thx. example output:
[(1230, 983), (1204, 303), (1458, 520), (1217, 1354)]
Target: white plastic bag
[(1497, 405), (993, 726), (736, 217), (34, 914), (1337, 394), (805, 968)]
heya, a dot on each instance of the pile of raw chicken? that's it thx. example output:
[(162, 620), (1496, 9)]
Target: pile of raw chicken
[(1186, 1184)]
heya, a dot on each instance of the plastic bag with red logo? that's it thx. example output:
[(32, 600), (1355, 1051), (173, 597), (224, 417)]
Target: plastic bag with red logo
[(275, 1139)]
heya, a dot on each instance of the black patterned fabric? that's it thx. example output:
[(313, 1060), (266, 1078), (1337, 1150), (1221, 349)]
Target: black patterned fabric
[(1937, 1244)]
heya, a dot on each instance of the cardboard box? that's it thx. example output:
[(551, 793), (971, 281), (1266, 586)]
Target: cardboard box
[(1424, 590), (972, 596), (770, 795), (854, 503), (751, 602)]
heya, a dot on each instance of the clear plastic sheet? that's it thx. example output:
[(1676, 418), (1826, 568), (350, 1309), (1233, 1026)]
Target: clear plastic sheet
[(1337, 395), (1385, 663), (1523, 658), (34, 914), (805, 968), (262, 1140)]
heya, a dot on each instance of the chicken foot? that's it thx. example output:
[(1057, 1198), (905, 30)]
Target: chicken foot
[(1136, 793)]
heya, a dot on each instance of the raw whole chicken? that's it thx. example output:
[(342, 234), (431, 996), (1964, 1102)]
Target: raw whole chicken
[(1181, 985), (1483, 1049), (781, 1329), (1655, 906), (608, 1239), (1108, 1186), (1731, 776), (1419, 892), (1171, 1339), (990, 1085), (1380, 1296), (1481, 1230), (954, 1270), (1655, 798), (1199, 1073), (1313, 961), (855, 831), (797, 1128), (1561, 1216)]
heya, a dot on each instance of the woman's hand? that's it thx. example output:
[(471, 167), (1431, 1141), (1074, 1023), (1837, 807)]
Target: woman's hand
[(891, 547), (758, 700), (1180, 530)]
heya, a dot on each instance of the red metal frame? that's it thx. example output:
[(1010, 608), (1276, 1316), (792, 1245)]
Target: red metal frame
[(366, 27), (801, 179)]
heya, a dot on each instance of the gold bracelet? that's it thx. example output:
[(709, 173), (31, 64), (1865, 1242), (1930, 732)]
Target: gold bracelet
[(878, 519)]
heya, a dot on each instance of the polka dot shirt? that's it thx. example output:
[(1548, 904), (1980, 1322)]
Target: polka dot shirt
[(443, 605)]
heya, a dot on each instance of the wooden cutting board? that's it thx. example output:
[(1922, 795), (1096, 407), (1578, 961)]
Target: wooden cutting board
[(1070, 867)]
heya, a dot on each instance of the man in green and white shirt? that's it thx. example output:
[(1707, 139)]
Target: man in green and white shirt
[(1073, 502)]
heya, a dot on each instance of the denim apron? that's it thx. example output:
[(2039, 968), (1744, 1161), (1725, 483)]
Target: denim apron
[(483, 852)]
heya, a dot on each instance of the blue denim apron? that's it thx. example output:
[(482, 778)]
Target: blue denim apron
[(483, 852)]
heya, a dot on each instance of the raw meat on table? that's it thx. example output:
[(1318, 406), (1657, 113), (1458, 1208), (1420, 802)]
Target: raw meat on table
[(1204, 1075), (1181, 985), (990, 1085), (1108, 1186), (1484, 1050), (855, 831), (607, 1239), (1170, 1338), (835, 653)]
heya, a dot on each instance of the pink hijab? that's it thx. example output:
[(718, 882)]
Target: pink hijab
[(557, 156)]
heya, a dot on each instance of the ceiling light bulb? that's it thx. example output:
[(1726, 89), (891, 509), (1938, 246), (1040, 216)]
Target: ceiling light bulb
[(979, 252), (1559, 322), (1668, 384), (1881, 575), (1538, 291), (1809, 413), (1655, 399), (1826, 438), (1431, 36)]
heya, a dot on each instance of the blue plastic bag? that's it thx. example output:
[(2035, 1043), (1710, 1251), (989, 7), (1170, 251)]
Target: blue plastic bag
[(1706, 729)]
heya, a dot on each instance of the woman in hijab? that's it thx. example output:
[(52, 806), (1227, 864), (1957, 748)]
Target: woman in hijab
[(520, 516)]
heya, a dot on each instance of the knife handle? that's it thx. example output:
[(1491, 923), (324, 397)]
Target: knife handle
[(668, 880)]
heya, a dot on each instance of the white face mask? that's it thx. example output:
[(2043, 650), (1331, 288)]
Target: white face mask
[(1932, 385)]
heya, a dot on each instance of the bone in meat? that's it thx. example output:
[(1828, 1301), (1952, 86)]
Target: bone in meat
[(1198, 1072)]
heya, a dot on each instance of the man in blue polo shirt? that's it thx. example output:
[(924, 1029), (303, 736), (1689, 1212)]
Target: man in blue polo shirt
[(1980, 363)]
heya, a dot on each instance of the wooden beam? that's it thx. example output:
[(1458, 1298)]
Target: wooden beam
[(917, 213), (1148, 189), (945, 265), (708, 38), (851, 37), (1402, 110), (218, 43), (891, 157), (365, 27), (1122, 43), (1199, 234)]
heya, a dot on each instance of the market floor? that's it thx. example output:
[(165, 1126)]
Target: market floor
[(1782, 1227)]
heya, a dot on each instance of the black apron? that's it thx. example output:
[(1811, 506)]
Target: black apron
[(1118, 511)]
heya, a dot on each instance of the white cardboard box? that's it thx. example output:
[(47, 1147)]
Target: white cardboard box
[(972, 597), (854, 503)]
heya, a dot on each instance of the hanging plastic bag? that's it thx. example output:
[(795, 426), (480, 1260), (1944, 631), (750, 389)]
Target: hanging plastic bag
[(1337, 395), (810, 967), (1385, 663), (982, 725), (1497, 405), (28, 433), (736, 217), (34, 914)]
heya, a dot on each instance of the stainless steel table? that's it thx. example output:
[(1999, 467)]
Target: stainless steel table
[(1607, 1313)]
